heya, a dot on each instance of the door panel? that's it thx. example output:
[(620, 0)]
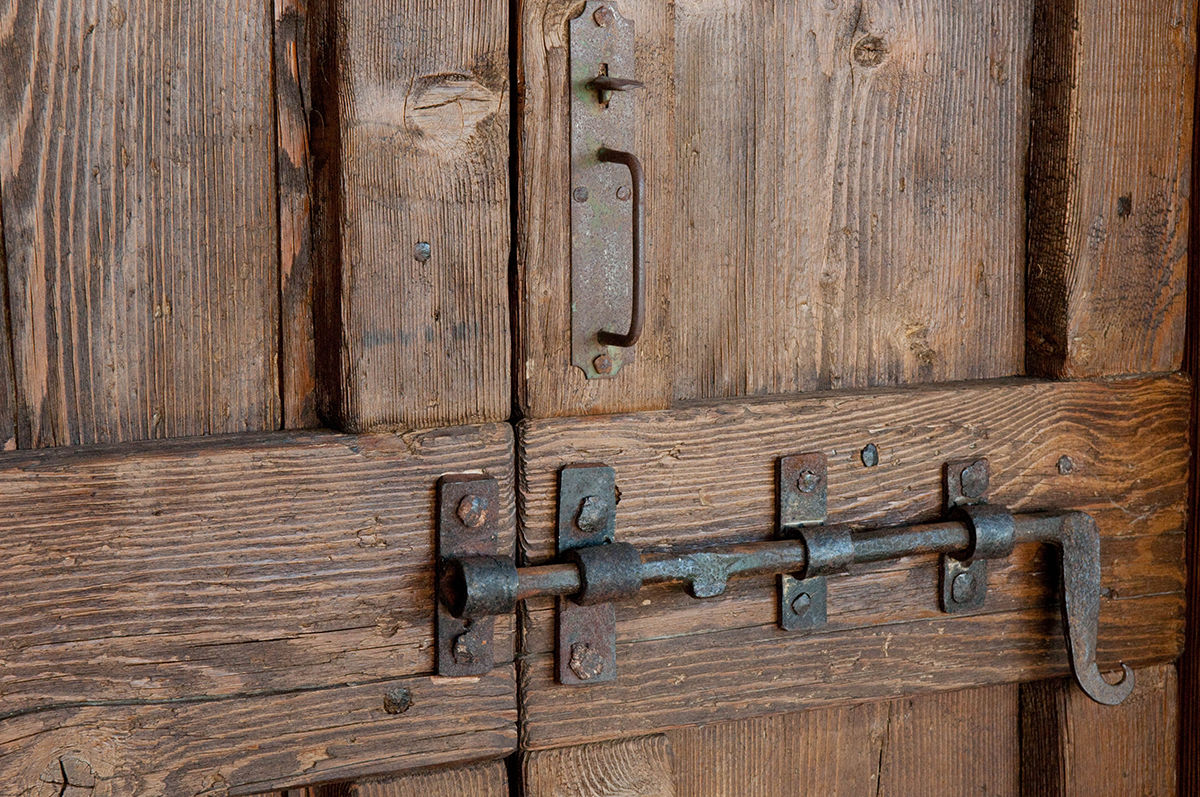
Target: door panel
[(139, 219), (638, 767), (481, 780), (411, 144), (1109, 186), (836, 199), (710, 471), (244, 611)]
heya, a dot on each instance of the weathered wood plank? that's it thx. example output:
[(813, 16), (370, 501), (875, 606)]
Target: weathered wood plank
[(257, 573), (951, 744), (639, 767), (137, 165), (8, 387), (416, 152), (263, 741), (547, 382), (836, 199), (480, 780), (1113, 83), (710, 470), (293, 106), (1073, 746)]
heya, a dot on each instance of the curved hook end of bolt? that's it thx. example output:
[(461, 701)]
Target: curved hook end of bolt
[(1100, 690)]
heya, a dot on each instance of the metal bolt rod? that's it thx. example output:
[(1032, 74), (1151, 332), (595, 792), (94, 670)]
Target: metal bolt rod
[(787, 556)]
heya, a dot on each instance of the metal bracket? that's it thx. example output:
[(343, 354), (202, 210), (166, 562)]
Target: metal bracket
[(603, 278), (803, 494), (963, 582), (468, 505), (587, 517)]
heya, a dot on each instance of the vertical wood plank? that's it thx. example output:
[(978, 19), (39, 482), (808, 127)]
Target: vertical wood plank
[(951, 744), (480, 780), (293, 105), (137, 166), (8, 387), (637, 767), (1071, 745), (416, 114), (1109, 185), (849, 194)]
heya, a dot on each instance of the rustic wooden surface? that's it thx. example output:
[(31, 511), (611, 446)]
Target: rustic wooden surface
[(293, 106), (1109, 175), (1083, 748), (710, 470), (139, 213), (835, 198), (8, 387), (480, 780), (638, 767), (415, 149), (234, 610)]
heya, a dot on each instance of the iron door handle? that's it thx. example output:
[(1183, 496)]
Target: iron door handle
[(637, 310)]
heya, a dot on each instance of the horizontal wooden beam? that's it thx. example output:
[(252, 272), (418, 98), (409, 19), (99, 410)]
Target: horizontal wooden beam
[(701, 476), (249, 611)]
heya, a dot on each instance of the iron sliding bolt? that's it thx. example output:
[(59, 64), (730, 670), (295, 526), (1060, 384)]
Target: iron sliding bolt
[(477, 587)]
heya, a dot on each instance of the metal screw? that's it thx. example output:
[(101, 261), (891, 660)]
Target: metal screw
[(592, 516), (466, 649), (580, 194), (808, 481), (1065, 465), (801, 604), (472, 511), (603, 364), (974, 479), (603, 16), (623, 193), (422, 251), (397, 700), (870, 455), (585, 662), (962, 589)]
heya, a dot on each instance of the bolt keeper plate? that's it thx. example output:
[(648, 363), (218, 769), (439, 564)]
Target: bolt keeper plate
[(587, 635), (468, 507), (803, 491)]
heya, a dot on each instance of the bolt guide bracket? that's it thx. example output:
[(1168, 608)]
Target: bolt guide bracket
[(594, 570)]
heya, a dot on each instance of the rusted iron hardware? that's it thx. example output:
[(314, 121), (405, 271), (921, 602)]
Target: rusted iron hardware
[(594, 571), (607, 194), (468, 540)]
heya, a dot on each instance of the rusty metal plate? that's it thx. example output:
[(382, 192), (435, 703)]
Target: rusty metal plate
[(803, 494), (963, 584), (587, 635), (601, 43), (468, 508)]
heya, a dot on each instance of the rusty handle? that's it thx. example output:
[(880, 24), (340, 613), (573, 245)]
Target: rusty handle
[(638, 311)]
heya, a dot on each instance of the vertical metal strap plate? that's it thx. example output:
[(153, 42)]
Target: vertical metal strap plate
[(803, 494), (602, 43), (468, 508), (587, 635), (963, 584)]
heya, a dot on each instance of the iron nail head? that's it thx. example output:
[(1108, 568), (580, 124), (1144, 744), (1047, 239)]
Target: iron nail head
[(603, 16), (585, 661), (623, 193), (397, 700), (801, 604), (591, 517), (603, 364), (962, 589), (808, 481), (581, 194), (870, 455), (422, 251), (1065, 465), (472, 511), (974, 479)]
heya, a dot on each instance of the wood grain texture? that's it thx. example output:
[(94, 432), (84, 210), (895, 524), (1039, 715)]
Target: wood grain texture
[(1109, 180), (480, 780), (138, 175), (293, 106), (414, 99), (710, 470), (1073, 746), (638, 767), (835, 195), (950, 744), (235, 610), (8, 386)]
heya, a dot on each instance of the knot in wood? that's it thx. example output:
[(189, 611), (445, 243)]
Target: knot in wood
[(870, 51)]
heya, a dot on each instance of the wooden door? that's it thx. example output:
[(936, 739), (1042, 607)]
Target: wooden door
[(970, 223)]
